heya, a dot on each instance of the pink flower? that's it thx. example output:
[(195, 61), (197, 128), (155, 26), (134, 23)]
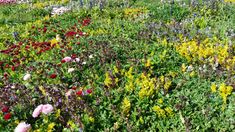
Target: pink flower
[(37, 111), (22, 127), (67, 59), (46, 109)]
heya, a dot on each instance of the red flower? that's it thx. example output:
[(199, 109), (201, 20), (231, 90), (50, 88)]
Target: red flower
[(78, 43), (89, 91), (7, 116), (63, 61), (53, 76), (74, 56), (44, 29), (13, 68), (5, 109), (70, 34), (79, 93), (74, 87)]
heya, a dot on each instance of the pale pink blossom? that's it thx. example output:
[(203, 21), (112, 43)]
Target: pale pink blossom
[(22, 127), (67, 59), (47, 108), (77, 59), (37, 111), (68, 93)]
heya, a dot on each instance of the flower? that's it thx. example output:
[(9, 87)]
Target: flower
[(126, 105), (7, 116), (213, 87), (37, 111), (68, 93), (22, 127), (5, 109), (90, 56), (47, 108), (70, 70), (53, 76), (67, 59), (77, 59), (26, 77), (84, 63), (79, 92), (89, 91)]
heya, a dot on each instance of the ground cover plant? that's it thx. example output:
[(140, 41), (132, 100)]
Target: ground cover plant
[(131, 65)]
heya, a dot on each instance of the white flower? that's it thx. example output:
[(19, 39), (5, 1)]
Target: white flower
[(84, 63), (90, 56), (70, 70), (190, 68), (26, 77), (77, 59)]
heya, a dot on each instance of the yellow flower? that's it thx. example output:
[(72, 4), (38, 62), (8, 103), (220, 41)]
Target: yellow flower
[(91, 119), (71, 124), (183, 67), (213, 88), (126, 105), (160, 112), (53, 41), (108, 80), (148, 63), (50, 127), (57, 113), (41, 88), (169, 111), (160, 101)]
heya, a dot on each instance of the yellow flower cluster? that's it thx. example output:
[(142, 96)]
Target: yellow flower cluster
[(163, 112), (126, 105), (134, 12), (108, 80), (206, 51), (229, 0), (225, 91), (147, 85), (130, 80)]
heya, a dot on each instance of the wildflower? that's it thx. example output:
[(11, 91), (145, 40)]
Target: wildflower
[(47, 108), (70, 34), (126, 105), (13, 68), (183, 67), (148, 63), (68, 93), (169, 111), (79, 93), (26, 77), (77, 59), (67, 59), (74, 56), (213, 88), (53, 76), (70, 70), (90, 56), (108, 80), (50, 127), (7, 116), (84, 63), (37, 111), (160, 112), (22, 127), (5, 109), (89, 91)]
